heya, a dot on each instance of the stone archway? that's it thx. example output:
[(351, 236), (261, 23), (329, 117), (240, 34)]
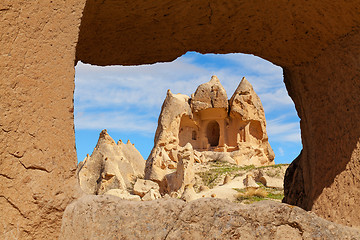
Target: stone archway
[(287, 35), (213, 133), (316, 43)]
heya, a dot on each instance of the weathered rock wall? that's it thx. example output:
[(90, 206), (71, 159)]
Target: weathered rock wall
[(315, 41), (309, 40), (326, 94), (110, 166), (107, 217), (138, 32), (37, 142), (212, 127)]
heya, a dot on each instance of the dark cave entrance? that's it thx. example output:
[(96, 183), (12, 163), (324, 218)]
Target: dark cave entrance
[(213, 133)]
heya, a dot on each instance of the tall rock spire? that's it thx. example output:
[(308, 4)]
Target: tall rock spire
[(210, 95), (246, 102), (110, 166), (237, 136)]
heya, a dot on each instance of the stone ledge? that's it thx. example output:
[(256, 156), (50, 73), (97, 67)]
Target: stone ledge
[(109, 217)]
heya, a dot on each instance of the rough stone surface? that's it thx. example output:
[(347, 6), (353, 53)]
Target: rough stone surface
[(316, 43), (184, 174), (189, 193), (123, 194), (326, 176), (271, 177), (142, 186), (272, 182), (107, 217), (210, 95), (37, 141), (110, 166), (227, 179), (249, 182), (152, 194), (208, 127)]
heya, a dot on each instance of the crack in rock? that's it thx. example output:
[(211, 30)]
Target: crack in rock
[(34, 168), (174, 223), (17, 154), (13, 205), (6, 176)]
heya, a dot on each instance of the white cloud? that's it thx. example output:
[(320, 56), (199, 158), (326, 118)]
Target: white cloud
[(293, 137), (129, 98), (145, 86), (281, 130), (253, 63), (121, 121), (275, 99), (281, 151), (141, 86)]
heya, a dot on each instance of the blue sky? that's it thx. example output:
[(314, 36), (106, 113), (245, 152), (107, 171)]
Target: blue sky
[(126, 100)]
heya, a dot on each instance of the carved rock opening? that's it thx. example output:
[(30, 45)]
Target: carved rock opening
[(37, 83), (213, 133), (320, 73)]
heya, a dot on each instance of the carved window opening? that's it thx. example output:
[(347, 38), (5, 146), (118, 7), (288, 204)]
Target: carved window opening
[(194, 135), (213, 133), (242, 137), (92, 114)]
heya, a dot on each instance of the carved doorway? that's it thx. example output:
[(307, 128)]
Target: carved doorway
[(213, 133)]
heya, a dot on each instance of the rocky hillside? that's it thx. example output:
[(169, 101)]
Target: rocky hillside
[(214, 126), (240, 184), (118, 169), (109, 217)]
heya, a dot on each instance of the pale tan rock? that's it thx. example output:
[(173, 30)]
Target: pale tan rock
[(133, 155), (42, 41), (214, 133), (184, 174), (204, 218), (110, 178), (209, 95), (123, 194), (152, 194), (225, 191), (249, 155), (110, 166), (272, 182), (227, 179), (249, 182), (219, 156), (142, 187), (174, 106), (246, 104), (198, 157), (286, 232), (189, 193), (166, 196), (272, 177), (174, 195), (203, 188)]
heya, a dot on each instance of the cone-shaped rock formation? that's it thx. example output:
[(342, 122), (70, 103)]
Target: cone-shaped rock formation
[(217, 128), (110, 166), (210, 95)]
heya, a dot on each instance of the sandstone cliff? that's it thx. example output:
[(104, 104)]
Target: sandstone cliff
[(215, 128), (316, 43), (108, 217), (110, 166)]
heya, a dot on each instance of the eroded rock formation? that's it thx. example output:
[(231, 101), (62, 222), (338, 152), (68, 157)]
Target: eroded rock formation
[(316, 43), (200, 219), (110, 166), (207, 127)]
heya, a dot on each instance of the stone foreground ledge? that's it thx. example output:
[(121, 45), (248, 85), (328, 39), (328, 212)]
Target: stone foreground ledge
[(109, 217)]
